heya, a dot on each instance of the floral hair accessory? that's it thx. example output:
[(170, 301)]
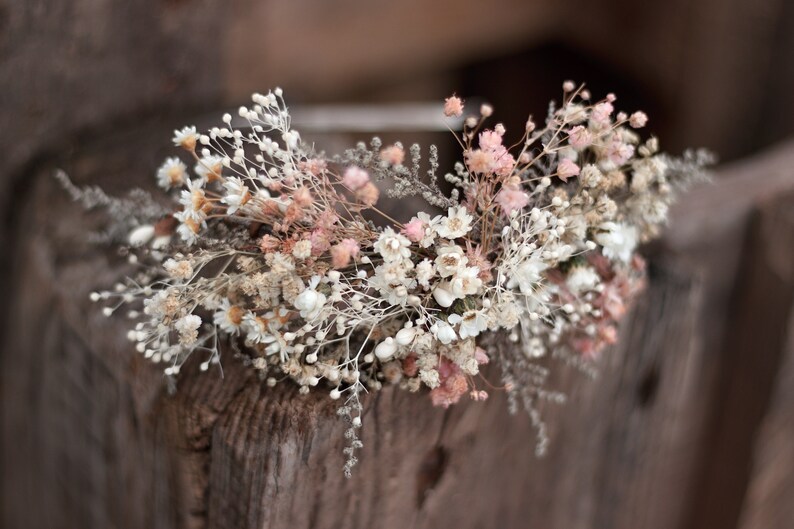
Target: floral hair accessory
[(522, 252)]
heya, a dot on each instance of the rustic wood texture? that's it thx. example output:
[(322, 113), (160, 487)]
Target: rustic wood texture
[(770, 490), (91, 437)]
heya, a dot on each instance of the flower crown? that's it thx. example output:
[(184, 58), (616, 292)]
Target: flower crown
[(524, 252)]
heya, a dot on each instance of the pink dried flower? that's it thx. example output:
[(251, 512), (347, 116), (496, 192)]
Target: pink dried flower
[(414, 230), (313, 166), (368, 195), (477, 259), (481, 356), (453, 106), (453, 384), (393, 155), (302, 197), (618, 152), (579, 137), (478, 395), (293, 214), (327, 219), (608, 333), (601, 113), (638, 120), (566, 169), (490, 140), (511, 198), (479, 161), (355, 178), (343, 252), (320, 240), (269, 244)]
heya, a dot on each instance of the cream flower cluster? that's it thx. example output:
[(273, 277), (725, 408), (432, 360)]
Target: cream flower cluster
[(287, 252)]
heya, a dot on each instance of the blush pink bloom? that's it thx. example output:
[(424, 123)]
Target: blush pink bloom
[(601, 113), (355, 178), (343, 252), (452, 387), (320, 241), (453, 106), (393, 155), (479, 161), (567, 169), (481, 356), (302, 197), (638, 120), (368, 194), (414, 230), (618, 152), (490, 139), (511, 198), (269, 244), (579, 137), (313, 166)]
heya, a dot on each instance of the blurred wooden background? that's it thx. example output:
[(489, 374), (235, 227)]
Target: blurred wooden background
[(690, 424)]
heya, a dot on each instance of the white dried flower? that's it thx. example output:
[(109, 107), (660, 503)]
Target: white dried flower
[(456, 224), (581, 279), (173, 173), (310, 302), (393, 246), (237, 194), (187, 327), (302, 249), (472, 323), (450, 259), (618, 240)]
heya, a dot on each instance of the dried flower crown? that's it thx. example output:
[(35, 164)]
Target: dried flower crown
[(274, 245)]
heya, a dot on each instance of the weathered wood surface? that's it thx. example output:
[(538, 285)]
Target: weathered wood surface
[(770, 491), (92, 439)]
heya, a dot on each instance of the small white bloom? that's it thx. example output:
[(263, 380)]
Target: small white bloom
[(229, 317), (392, 281), (187, 327), (386, 349), (209, 168), (581, 279), (393, 246), (472, 323), (310, 302), (406, 335), (257, 330), (450, 259), (527, 275), (465, 282), (456, 224), (188, 228), (141, 235), (178, 269), (302, 249), (430, 378), (172, 173), (424, 273), (618, 240), (237, 194), (186, 138), (443, 294), (444, 332), (430, 228)]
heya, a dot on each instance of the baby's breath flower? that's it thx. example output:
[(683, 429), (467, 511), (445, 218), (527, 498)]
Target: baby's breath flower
[(273, 246)]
